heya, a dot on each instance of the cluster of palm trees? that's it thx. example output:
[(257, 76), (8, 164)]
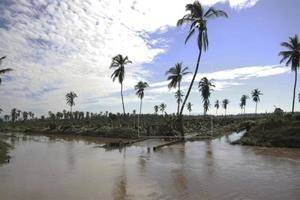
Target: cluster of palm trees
[(197, 18)]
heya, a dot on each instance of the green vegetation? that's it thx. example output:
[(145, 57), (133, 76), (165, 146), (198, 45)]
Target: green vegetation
[(4, 150), (256, 93), (205, 87), (273, 132)]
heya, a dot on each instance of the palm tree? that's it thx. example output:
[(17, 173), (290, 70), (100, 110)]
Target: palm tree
[(156, 108), (119, 63), (162, 108), (205, 87), (197, 18), (292, 56), (178, 96), (3, 71), (189, 107), (255, 97), (243, 102), (70, 97), (217, 105), (140, 87), (175, 77), (225, 103)]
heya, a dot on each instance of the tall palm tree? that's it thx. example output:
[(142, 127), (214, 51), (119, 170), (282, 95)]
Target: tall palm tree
[(205, 87), (140, 87), (292, 56), (255, 97), (217, 106), (243, 102), (162, 108), (3, 71), (156, 108), (197, 18), (119, 62), (175, 75), (189, 107), (225, 103), (70, 97)]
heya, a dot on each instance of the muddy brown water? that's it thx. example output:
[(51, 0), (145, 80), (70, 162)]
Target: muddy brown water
[(44, 168)]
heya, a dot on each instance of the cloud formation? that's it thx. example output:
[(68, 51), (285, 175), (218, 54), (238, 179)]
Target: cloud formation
[(60, 45)]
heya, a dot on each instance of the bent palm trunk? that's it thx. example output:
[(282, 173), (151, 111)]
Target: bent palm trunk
[(180, 117)]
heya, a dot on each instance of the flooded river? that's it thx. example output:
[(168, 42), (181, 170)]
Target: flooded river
[(44, 168)]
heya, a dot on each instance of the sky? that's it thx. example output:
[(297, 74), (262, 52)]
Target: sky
[(57, 46)]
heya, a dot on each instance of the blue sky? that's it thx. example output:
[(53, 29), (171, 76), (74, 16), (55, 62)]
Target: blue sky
[(57, 46)]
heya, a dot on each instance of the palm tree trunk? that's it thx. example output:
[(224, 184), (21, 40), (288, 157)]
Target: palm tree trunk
[(187, 95), (122, 99), (139, 117), (178, 103), (255, 108), (295, 85)]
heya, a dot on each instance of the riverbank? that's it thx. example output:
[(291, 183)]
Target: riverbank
[(4, 150), (273, 132)]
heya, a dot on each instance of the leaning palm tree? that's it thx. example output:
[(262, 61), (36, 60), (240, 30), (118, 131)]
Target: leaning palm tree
[(217, 106), (70, 97), (255, 97), (197, 18), (162, 108), (225, 103), (243, 102), (175, 75), (140, 87), (3, 71), (205, 87), (292, 56), (119, 62), (156, 108), (189, 107)]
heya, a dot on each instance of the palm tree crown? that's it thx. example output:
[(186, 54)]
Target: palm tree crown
[(225, 103), (205, 87), (140, 87), (70, 97), (292, 57), (243, 102), (162, 107), (217, 105), (3, 71), (156, 108), (189, 106), (175, 75)]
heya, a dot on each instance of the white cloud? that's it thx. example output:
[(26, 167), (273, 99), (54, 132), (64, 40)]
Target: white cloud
[(59, 45), (227, 78)]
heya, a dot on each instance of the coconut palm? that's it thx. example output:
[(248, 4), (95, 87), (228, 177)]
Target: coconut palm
[(70, 97), (178, 96), (118, 63), (225, 103), (197, 18), (3, 71), (175, 75), (162, 107), (243, 102), (217, 106), (140, 87), (292, 57), (255, 97), (189, 107), (156, 108), (205, 87)]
